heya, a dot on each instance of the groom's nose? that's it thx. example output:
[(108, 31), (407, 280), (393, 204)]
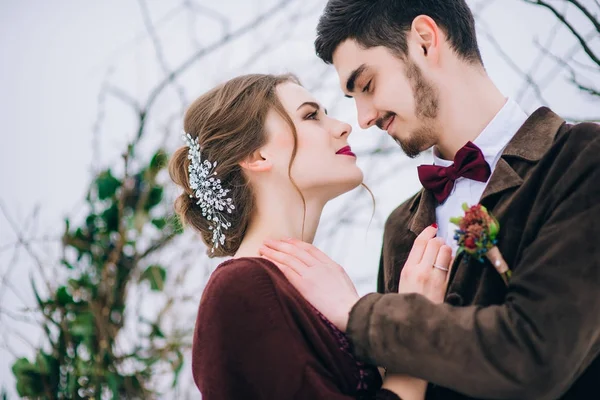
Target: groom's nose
[(367, 114)]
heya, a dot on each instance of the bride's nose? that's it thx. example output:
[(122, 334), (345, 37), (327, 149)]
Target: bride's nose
[(342, 129)]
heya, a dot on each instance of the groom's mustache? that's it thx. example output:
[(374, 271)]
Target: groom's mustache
[(383, 121)]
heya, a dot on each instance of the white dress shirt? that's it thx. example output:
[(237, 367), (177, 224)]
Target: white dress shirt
[(492, 141)]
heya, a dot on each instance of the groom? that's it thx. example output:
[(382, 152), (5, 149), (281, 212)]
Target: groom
[(414, 69)]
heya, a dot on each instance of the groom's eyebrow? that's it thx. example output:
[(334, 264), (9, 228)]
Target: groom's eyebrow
[(351, 82)]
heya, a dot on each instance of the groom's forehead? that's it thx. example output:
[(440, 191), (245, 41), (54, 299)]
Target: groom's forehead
[(348, 53), (350, 62)]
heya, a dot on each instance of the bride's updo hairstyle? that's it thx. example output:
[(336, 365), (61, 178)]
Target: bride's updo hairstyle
[(229, 122)]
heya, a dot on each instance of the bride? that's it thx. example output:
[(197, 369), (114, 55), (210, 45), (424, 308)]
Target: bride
[(261, 160)]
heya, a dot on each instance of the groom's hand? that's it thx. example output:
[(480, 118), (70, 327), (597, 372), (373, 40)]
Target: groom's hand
[(321, 281)]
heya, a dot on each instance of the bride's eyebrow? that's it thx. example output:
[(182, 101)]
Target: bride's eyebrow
[(312, 104)]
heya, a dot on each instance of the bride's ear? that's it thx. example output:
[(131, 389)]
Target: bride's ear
[(257, 162)]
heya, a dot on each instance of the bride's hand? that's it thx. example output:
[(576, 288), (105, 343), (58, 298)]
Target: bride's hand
[(427, 268), (322, 282)]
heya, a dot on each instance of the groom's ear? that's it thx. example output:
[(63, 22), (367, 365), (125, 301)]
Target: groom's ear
[(257, 162), (427, 35)]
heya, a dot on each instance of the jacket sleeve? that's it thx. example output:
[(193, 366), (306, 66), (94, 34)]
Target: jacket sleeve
[(246, 348), (536, 344)]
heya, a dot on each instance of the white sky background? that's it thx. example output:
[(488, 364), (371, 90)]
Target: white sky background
[(55, 56)]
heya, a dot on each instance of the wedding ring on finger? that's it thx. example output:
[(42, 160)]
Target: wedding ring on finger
[(440, 267)]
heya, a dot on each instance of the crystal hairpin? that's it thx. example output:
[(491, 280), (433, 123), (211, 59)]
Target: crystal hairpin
[(207, 189)]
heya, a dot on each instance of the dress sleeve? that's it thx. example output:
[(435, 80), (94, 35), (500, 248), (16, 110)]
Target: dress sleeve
[(245, 346)]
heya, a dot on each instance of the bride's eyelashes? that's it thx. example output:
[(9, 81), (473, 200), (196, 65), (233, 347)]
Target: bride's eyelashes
[(313, 115)]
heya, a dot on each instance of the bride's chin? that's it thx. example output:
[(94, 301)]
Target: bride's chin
[(348, 184)]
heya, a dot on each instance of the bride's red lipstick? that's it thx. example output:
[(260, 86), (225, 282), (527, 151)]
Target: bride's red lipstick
[(346, 151)]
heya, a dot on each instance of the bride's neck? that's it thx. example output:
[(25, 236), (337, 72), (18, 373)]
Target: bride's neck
[(279, 217)]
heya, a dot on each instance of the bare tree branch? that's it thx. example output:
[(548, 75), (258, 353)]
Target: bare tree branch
[(159, 244), (196, 8), (537, 64), (567, 57), (26, 245), (160, 56), (509, 61), (574, 79), (124, 97), (202, 53), (593, 19), (563, 19)]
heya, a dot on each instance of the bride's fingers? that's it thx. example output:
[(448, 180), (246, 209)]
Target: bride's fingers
[(430, 255), (419, 246), (291, 250), (279, 258), (442, 264), (317, 254)]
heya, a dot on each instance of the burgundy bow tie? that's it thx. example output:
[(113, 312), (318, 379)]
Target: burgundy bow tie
[(468, 163)]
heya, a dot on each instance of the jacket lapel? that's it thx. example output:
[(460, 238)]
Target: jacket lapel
[(423, 208), (529, 144), (518, 160)]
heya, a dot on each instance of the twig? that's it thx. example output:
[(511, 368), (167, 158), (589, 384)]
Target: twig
[(18, 317), (198, 55), (22, 241), (156, 246), (42, 239), (97, 125), (124, 97), (593, 19), (574, 80), (562, 18), (526, 76), (553, 74), (160, 56), (538, 62), (209, 12)]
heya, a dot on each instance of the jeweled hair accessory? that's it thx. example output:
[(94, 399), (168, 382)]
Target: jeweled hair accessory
[(207, 189)]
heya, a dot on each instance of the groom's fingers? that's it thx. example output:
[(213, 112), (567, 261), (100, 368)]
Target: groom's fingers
[(419, 246)]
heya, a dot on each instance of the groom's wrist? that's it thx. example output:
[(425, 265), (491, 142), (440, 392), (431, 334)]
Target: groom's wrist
[(358, 329)]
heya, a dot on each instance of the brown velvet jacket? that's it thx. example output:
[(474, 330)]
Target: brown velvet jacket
[(540, 337)]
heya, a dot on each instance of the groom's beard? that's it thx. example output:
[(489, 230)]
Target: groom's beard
[(426, 111)]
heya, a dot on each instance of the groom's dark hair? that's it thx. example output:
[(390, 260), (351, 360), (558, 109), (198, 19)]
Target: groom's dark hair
[(386, 22)]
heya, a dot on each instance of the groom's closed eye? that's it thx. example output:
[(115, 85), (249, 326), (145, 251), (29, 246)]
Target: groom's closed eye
[(354, 76)]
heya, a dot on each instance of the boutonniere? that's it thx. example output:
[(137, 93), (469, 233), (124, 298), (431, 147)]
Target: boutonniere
[(476, 235)]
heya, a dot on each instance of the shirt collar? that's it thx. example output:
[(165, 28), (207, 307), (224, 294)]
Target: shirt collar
[(496, 135)]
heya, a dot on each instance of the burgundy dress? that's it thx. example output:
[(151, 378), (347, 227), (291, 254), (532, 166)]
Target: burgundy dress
[(256, 337)]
